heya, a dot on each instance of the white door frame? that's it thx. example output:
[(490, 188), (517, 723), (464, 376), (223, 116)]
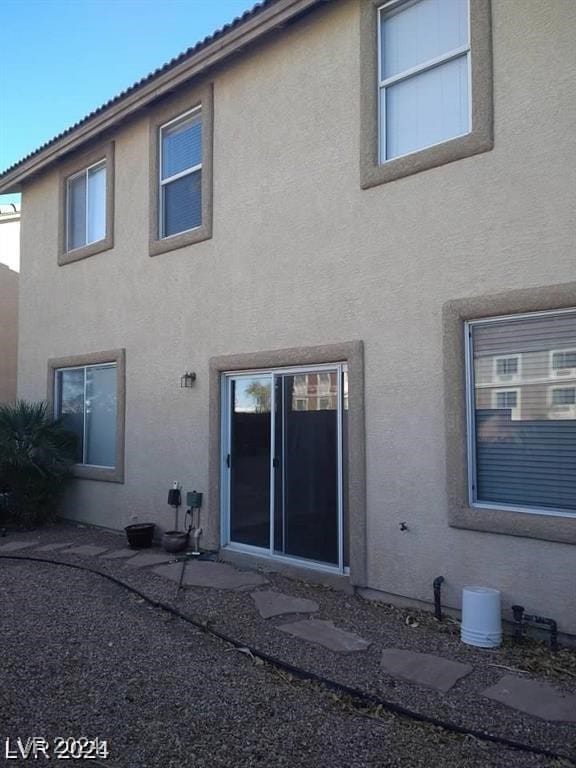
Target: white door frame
[(225, 442)]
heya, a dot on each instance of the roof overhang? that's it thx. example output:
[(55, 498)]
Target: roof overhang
[(230, 41)]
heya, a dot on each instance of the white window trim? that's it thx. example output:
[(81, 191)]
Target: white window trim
[(85, 172), (164, 182), (561, 410), (515, 412), (388, 9), (57, 401), (473, 502), (226, 542), (554, 373), (507, 377)]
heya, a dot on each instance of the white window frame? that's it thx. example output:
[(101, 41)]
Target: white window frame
[(196, 111), (324, 385), (341, 370), (561, 410), (388, 9), (471, 421), (554, 372), (57, 402), (515, 411), (508, 377), (84, 172)]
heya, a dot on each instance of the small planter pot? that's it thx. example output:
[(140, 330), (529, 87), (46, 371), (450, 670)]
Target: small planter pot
[(140, 535), (174, 541)]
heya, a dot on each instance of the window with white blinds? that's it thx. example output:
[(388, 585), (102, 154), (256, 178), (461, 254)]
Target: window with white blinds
[(424, 73), (522, 440), (181, 174)]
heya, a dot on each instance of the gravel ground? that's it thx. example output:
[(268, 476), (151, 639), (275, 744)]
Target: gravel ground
[(81, 656)]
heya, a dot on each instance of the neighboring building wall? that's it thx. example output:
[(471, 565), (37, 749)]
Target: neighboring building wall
[(8, 333), (10, 236), (9, 266), (302, 256)]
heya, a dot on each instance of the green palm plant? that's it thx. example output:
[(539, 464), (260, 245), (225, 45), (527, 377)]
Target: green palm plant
[(36, 455)]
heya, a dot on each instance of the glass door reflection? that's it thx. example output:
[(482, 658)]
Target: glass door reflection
[(286, 440), (249, 459), (306, 466)]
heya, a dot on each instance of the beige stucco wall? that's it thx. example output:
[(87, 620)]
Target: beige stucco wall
[(302, 256)]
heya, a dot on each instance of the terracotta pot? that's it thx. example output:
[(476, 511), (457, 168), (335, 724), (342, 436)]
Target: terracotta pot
[(174, 541)]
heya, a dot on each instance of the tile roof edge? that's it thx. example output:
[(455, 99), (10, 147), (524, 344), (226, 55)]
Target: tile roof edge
[(244, 30)]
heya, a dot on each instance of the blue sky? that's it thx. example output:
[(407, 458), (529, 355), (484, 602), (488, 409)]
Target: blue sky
[(60, 59)]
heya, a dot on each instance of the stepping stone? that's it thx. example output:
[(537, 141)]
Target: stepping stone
[(117, 554), (144, 559), (326, 634), (205, 573), (271, 603), (55, 545), (86, 550), (534, 698), (423, 668), (14, 546)]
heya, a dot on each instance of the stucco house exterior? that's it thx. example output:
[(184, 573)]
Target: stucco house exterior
[(9, 278), (355, 223)]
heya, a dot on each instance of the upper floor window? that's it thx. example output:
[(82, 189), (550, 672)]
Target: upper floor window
[(181, 174), (86, 206), (181, 171), (426, 85), (563, 363), (563, 395), (507, 368), (424, 75)]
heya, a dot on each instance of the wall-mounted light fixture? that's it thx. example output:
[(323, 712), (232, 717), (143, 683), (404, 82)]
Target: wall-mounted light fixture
[(187, 380)]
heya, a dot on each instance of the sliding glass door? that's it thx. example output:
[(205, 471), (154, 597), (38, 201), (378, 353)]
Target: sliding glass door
[(283, 462), (248, 459)]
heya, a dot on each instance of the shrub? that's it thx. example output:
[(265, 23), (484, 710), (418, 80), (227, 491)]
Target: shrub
[(36, 455)]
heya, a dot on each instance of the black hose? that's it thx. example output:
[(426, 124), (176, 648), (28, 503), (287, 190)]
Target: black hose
[(437, 585), (303, 674)]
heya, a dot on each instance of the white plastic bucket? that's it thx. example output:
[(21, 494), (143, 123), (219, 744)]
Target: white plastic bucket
[(481, 617)]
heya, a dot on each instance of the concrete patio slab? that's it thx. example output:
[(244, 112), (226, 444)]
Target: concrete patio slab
[(118, 554), (535, 698), (205, 573), (86, 550), (325, 633), (423, 668), (144, 559), (54, 546), (14, 546), (271, 603)]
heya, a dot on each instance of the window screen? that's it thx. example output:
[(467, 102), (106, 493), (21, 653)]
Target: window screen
[(86, 403), (181, 175), (86, 207)]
